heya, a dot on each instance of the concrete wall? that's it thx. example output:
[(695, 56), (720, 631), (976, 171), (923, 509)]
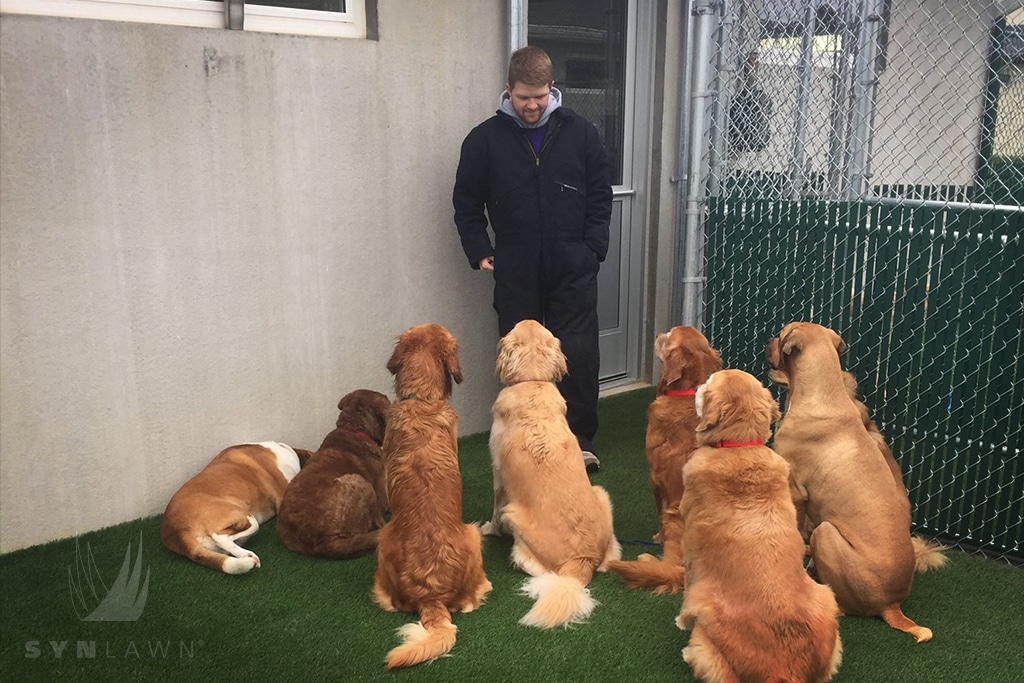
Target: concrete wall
[(208, 237)]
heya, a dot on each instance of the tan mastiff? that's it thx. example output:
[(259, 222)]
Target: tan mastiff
[(847, 499)]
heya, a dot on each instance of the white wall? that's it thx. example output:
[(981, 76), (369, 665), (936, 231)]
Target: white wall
[(209, 237), (931, 96)]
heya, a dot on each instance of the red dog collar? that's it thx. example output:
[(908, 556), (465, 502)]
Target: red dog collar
[(736, 444), (680, 392), (361, 433)]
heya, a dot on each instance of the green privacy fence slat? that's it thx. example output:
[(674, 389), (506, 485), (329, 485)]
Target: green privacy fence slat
[(930, 302)]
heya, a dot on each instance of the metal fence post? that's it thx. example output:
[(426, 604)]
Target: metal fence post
[(862, 108), (690, 245), (805, 67)]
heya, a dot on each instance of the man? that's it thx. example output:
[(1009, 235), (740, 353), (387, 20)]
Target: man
[(541, 172)]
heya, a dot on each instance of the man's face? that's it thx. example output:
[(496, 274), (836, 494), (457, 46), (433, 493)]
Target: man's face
[(529, 101)]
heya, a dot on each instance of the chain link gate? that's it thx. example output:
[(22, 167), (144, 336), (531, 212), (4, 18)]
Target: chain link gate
[(860, 164)]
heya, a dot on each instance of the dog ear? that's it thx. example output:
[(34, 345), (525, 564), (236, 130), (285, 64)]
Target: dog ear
[(774, 415), (838, 341), (779, 377), (372, 416), (771, 353), (501, 365), (671, 367), (791, 343), (451, 361), (714, 361), (710, 410), (382, 417), (850, 382), (559, 365), (661, 345), (304, 456), (395, 362)]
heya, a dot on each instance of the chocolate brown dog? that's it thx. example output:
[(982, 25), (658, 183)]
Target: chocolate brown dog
[(335, 506)]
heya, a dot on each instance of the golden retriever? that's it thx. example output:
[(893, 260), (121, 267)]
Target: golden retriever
[(428, 561), (754, 613), (335, 506), (560, 523), (687, 360), (847, 497)]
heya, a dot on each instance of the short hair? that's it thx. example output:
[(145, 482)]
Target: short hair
[(530, 66)]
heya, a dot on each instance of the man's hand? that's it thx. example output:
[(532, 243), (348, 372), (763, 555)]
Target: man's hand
[(487, 264)]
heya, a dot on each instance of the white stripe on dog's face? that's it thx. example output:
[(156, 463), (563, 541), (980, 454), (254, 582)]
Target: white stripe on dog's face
[(698, 399), (287, 458)]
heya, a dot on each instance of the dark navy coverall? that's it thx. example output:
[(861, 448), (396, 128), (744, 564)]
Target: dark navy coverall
[(550, 215)]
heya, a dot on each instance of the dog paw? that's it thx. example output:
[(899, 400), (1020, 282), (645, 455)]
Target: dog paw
[(240, 565), (492, 529), (646, 557), (682, 624)]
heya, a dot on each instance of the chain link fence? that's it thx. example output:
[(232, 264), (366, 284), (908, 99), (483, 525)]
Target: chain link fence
[(860, 164)]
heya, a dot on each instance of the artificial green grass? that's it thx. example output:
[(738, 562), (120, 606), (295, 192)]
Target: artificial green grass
[(305, 619)]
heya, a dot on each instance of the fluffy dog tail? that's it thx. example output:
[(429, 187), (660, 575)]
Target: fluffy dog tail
[(561, 600), (431, 637), (894, 616), (649, 572), (928, 554)]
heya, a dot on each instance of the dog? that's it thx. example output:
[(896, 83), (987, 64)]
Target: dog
[(334, 507), (753, 612), (561, 525), (850, 382), (225, 503), (855, 510), (928, 554), (687, 360), (428, 561)]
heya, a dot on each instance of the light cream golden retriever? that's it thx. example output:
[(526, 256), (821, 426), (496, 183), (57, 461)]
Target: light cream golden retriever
[(428, 561), (561, 525), (845, 488), (687, 360), (754, 613)]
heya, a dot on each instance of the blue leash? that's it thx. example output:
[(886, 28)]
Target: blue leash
[(636, 541)]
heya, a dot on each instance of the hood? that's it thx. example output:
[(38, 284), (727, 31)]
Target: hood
[(505, 107)]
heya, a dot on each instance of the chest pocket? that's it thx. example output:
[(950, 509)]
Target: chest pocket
[(568, 207)]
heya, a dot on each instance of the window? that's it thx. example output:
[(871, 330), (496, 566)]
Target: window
[(1000, 176), (586, 40), (338, 18)]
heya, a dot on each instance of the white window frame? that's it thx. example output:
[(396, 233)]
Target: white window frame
[(204, 14)]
